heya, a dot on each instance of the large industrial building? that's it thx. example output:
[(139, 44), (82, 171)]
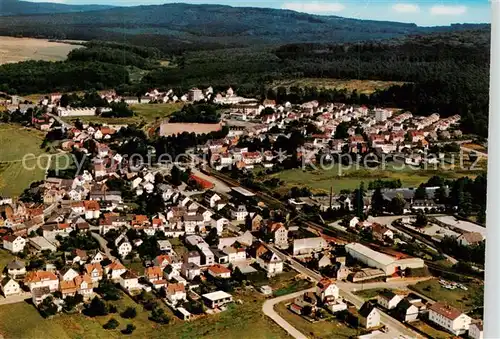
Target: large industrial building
[(388, 264)]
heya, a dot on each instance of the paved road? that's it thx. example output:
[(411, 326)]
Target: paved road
[(15, 299), (395, 328), (268, 309), (103, 244), (59, 120), (482, 154)]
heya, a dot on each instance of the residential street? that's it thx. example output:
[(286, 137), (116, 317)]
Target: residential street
[(396, 329), (103, 244), (268, 309)]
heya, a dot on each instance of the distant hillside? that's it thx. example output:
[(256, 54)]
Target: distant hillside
[(15, 7), (182, 26)]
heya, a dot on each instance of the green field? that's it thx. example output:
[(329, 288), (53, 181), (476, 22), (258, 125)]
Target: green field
[(431, 331), (16, 142), (144, 113), (370, 293), (350, 178), (464, 300), (244, 321), (325, 329), (5, 258)]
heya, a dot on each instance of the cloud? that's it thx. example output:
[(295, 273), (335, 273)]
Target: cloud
[(314, 7), (406, 8), (448, 10)]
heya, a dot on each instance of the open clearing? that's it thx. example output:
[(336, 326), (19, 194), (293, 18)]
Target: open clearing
[(362, 86), (15, 143), (350, 178), (464, 300), (239, 321), (23, 49), (167, 129)]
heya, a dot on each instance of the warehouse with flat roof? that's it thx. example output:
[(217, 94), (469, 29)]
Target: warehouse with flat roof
[(388, 264)]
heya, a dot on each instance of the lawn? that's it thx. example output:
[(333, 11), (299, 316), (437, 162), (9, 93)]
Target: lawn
[(18, 142), (287, 283), (144, 113), (244, 321), (5, 258), (325, 329), (370, 293), (362, 86), (343, 178), (431, 330), (464, 300)]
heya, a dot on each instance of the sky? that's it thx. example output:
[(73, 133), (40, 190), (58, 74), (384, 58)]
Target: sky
[(421, 12)]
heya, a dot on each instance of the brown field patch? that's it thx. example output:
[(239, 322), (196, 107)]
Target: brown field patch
[(24, 49), (174, 128), (362, 86)]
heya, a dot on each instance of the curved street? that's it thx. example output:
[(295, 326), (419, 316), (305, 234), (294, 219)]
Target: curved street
[(268, 309)]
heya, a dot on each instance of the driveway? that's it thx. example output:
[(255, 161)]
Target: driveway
[(395, 328), (268, 309)]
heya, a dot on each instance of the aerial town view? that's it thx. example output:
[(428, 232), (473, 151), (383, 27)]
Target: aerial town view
[(294, 170)]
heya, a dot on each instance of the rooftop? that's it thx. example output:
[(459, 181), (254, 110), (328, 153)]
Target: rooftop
[(217, 295)]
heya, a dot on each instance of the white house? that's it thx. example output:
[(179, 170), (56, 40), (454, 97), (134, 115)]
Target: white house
[(97, 258), (68, 274), (271, 263), (217, 299), (129, 281), (94, 271), (14, 243), (211, 198), (476, 330), (449, 318), (235, 254), (114, 270), (327, 290), (16, 268), (369, 315), (165, 246), (353, 222), (388, 300), (190, 270), (35, 279), (307, 246), (124, 248), (10, 287), (176, 292), (239, 213), (219, 271), (279, 233)]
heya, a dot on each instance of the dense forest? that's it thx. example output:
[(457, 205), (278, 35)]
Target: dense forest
[(101, 65), (43, 76), (178, 27), (112, 56)]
